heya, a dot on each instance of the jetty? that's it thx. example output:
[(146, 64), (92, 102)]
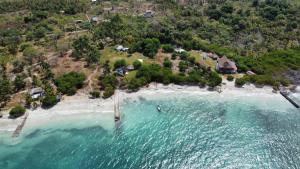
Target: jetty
[(19, 128), (286, 95), (117, 107)]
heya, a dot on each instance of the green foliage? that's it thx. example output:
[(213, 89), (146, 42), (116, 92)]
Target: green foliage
[(167, 63), (120, 63), (5, 90), (31, 54), (214, 79), (69, 6), (240, 82), (108, 92), (83, 48), (183, 65), (17, 111), (109, 84), (19, 83), (49, 101), (113, 29), (168, 48), (137, 64), (148, 47), (70, 82), (95, 94), (230, 78)]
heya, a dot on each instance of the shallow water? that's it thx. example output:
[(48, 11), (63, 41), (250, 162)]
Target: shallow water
[(192, 131)]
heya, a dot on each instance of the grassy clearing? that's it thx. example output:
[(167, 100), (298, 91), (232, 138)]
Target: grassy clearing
[(208, 62), (112, 55)]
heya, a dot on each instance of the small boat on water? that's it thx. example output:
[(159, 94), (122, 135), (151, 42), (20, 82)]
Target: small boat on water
[(158, 108)]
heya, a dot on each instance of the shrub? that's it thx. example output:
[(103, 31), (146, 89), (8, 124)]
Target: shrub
[(168, 48), (167, 63), (134, 84), (137, 64), (240, 82), (108, 91), (183, 66), (17, 111), (174, 56), (70, 82), (230, 78), (214, 79), (49, 101), (95, 94), (120, 63)]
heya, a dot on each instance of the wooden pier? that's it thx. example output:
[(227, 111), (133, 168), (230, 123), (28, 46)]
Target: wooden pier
[(19, 128), (117, 107), (286, 95)]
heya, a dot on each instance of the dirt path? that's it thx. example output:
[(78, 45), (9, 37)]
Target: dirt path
[(90, 78)]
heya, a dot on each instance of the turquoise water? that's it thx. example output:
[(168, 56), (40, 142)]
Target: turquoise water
[(192, 131)]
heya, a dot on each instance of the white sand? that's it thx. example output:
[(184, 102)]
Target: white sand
[(79, 110)]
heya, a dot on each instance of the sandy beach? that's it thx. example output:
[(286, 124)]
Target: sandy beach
[(76, 110)]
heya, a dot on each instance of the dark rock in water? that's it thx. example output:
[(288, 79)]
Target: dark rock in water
[(293, 76)]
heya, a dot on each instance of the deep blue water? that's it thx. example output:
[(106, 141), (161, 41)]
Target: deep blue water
[(191, 132)]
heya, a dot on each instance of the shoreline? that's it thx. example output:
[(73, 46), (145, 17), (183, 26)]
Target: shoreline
[(78, 110)]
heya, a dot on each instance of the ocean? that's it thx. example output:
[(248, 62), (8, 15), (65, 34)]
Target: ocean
[(191, 131)]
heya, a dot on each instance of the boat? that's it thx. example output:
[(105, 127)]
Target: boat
[(158, 108)]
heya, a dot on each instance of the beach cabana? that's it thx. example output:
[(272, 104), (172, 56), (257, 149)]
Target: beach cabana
[(36, 93), (224, 65), (148, 14), (121, 48)]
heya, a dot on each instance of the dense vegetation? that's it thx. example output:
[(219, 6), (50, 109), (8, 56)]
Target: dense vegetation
[(259, 35), (70, 82), (17, 111)]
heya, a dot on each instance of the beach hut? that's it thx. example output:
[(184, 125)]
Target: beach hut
[(224, 65), (36, 93), (130, 67), (148, 14), (250, 73), (120, 71), (121, 48), (179, 50)]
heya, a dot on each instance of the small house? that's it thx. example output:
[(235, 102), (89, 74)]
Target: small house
[(36, 93), (224, 65), (94, 19), (213, 56), (179, 50), (130, 67), (250, 73), (120, 71), (121, 48), (149, 14)]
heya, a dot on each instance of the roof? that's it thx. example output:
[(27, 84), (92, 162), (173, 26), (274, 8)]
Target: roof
[(130, 67), (36, 91), (179, 50), (225, 63)]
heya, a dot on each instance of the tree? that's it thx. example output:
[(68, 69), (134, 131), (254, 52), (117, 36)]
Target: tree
[(19, 83), (167, 63), (70, 82), (5, 90), (81, 46), (17, 111), (137, 64), (168, 48), (120, 63), (49, 100), (227, 8), (214, 79), (30, 54), (240, 82), (183, 65), (93, 56)]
